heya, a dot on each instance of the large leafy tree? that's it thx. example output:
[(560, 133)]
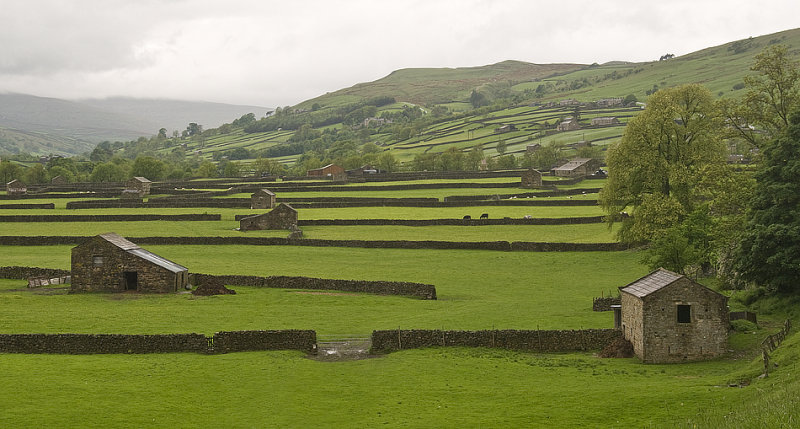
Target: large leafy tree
[(769, 253), (773, 91), (656, 166)]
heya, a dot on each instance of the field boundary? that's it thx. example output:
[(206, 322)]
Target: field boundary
[(519, 246), (110, 218)]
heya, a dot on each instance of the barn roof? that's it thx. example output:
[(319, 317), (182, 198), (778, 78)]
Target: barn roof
[(651, 283), (265, 191), (137, 251), (575, 163), (141, 179)]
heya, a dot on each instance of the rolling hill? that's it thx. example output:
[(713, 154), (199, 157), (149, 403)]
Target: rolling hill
[(41, 125)]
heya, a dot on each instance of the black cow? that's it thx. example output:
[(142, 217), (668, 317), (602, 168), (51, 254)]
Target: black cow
[(485, 216), (467, 217)]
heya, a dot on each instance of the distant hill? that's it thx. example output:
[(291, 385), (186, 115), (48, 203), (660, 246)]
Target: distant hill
[(442, 85), (42, 125)]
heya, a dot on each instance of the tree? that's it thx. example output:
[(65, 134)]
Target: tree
[(9, 171), (656, 165), (772, 94), (478, 99), (501, 147), (207, 169), (769, 253), (36, 174), (108, 172), (387, 162), (149, 167)]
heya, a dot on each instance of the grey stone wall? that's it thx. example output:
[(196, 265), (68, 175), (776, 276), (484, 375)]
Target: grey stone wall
[(527, 340), (416, 290)]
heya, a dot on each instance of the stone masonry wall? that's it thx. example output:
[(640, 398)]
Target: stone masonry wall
[(536, 341)]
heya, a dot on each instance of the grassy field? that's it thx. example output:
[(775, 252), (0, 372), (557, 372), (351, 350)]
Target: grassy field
[(435, 387)]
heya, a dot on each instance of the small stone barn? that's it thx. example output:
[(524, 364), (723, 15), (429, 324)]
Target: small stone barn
[(281, 217), (140, 184), (59, 180), (531, 178), (330, 171), (16, 187), (670, 318), (262, 199), (577, 167), (110, 263), (568, 124)]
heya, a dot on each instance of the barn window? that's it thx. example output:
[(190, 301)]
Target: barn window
[(684, 313), (97, 261)]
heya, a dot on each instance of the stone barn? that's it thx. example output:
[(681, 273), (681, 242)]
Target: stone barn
[(110, 263), (281, 217), (262, 199), (330, 171), (670, 318), (531, 179), (577, 167), (140, 184), (16, 187), (59, 180)]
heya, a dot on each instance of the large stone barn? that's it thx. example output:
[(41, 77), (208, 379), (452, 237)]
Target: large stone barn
[(330, 171), (110, 263), (282, 216), (577, 167), (262, 199), (531, 179), (670, 318)]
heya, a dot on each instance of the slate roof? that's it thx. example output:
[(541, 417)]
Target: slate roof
[(141, 179), (265, 191), (137, 251), (575, 163), (651, 283)]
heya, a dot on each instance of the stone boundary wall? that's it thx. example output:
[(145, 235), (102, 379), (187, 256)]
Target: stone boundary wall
[(23, 273), (540, 194), (520, 246), (28, 206), (245, 203), (50, 196), (535, 341), (416, 290), (242, 341), (102, 343), (220, 342), (605, 303), (109, 218), (404, 187), (449, 222)]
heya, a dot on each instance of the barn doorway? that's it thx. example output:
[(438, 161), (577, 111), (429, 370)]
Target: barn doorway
[(131, 280)]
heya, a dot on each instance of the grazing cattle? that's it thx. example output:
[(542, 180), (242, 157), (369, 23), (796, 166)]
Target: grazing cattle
[(528, 217), (467, 217), (485, 216)]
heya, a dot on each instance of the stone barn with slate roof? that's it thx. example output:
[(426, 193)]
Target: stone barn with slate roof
[(670, 318), (110, 263), (140, 184), (281, 217), (262, 199), (16, 187)]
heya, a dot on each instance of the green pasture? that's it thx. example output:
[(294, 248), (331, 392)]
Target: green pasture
[(582, 233), (476, 290), (343, 213), (416, 388)]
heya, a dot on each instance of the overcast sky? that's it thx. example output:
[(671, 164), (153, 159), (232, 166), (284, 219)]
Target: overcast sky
[(271, 53)]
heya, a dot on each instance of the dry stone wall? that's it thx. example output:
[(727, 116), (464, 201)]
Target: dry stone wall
[(527, 340), (416, 290)]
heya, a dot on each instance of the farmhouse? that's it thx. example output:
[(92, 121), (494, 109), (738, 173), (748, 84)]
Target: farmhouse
[(331, 171), (140, 184), (605, 121), (16, 187), (281, 217), (110, 263), (568, 124), (609, 102), (531, 179), (670, 318), (577, 167), (262, 199)]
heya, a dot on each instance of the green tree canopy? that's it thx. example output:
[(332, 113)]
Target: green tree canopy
[(769, 253), (655, 167), (149, 167)]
